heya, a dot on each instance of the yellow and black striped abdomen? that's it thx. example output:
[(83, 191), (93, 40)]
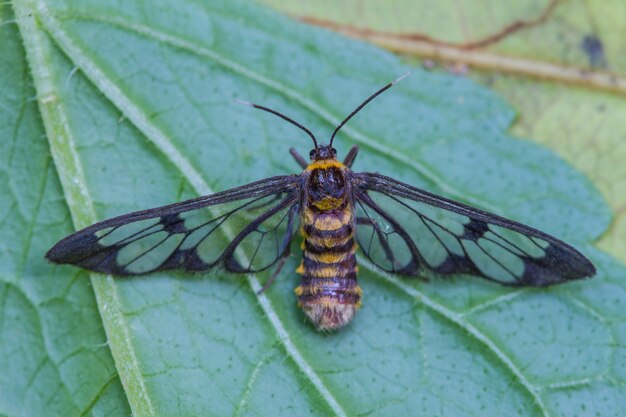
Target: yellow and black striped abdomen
[(329, 293)]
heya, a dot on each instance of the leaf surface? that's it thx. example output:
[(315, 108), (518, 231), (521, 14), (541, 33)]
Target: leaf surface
[(54, 358), (561, 64), (138, 107)]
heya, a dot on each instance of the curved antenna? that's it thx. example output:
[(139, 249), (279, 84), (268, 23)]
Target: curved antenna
[(282, 116), (370, 98)]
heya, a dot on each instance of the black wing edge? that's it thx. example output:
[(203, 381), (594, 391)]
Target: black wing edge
[(561, 263), (80, 247)]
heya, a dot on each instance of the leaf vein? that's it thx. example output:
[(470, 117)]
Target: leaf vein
[(143, 122), (459, 320)]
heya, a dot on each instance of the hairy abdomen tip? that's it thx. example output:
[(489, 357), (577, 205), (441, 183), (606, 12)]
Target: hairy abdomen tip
[(331, 317)]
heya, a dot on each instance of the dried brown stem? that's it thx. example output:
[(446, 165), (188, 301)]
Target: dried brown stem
[(424, 46)]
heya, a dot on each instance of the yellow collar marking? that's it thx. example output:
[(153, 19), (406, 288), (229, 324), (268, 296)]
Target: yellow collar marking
[(324, 164)]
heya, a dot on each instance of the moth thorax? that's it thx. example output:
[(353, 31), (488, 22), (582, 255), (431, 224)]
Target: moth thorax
[(327, 188)]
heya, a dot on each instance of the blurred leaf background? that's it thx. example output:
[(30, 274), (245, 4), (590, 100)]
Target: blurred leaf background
[(110, 107)]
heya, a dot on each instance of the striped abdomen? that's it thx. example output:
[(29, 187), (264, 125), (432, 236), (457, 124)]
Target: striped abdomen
[(329, 293)]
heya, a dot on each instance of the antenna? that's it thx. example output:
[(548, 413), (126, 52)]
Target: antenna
[(282, 116), (370, 98)]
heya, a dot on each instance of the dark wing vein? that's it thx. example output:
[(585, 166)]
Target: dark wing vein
[(192, 235), (431, 233)]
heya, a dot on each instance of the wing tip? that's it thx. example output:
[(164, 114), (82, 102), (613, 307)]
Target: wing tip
[(586, 268), (57, 254), (576, 265)]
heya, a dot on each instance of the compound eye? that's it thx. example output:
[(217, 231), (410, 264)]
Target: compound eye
[(333, 151), (312, 154)]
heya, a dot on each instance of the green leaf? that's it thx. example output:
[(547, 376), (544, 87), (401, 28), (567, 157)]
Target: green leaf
[(54, 358), (138, 107), (561, 64)]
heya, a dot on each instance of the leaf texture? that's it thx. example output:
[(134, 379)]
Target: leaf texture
[(137, 104)]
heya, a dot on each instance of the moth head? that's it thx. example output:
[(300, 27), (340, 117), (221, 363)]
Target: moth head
[(323, 152)]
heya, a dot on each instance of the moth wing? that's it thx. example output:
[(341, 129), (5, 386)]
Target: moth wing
[(405, 230), (245, 229)]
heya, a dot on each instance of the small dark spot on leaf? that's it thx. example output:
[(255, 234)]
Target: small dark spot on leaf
[(594, 49)]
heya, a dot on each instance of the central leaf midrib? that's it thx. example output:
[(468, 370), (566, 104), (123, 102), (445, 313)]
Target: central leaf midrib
[(143, 123)]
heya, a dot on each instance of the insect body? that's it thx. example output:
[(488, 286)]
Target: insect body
[(399, 228), (329, 292)]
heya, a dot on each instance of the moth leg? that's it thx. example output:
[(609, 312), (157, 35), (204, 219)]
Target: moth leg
[(351, 156), (299, 159), (279, 267), (382, 239)]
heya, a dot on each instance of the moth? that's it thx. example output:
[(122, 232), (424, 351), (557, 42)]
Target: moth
[(401, 229)]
